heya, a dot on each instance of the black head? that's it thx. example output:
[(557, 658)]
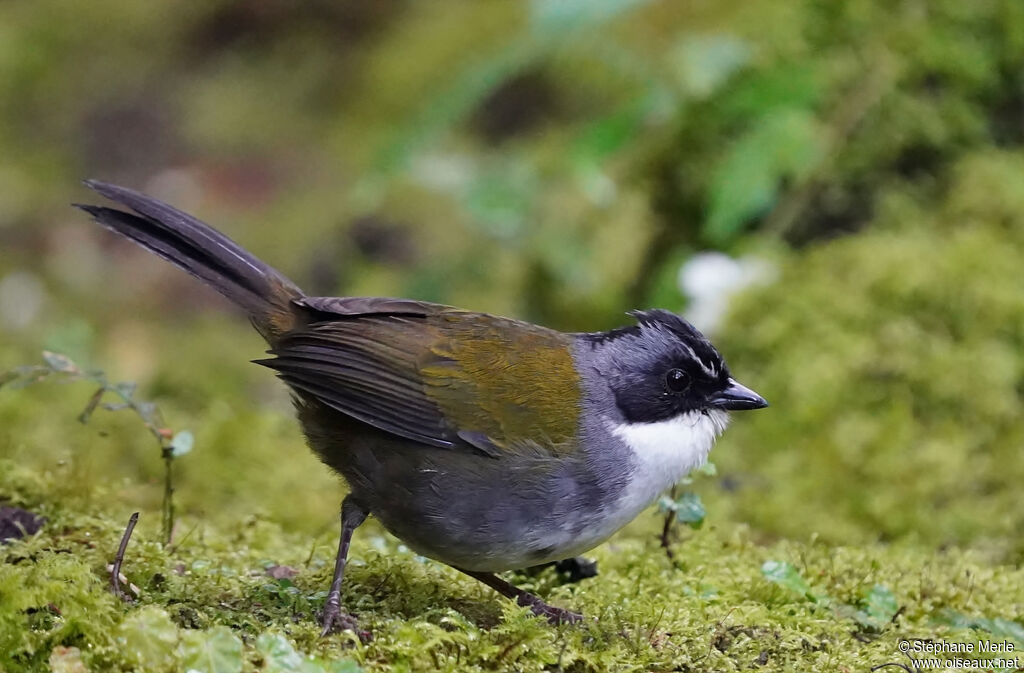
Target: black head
[(663, 367)]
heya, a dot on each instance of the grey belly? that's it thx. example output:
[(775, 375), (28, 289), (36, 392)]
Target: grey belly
[(473, 511)]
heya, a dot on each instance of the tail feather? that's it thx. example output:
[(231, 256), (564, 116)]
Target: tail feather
[(194, 246)]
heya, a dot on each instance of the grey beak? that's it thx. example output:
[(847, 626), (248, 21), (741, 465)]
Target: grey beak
[(737, 397)]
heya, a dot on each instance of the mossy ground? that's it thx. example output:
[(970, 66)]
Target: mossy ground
[(213, 592)]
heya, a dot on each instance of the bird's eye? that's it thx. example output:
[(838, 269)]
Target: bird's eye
[(677, 381)]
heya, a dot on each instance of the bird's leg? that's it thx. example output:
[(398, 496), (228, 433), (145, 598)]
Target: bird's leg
[(333, 619), (525, 598)]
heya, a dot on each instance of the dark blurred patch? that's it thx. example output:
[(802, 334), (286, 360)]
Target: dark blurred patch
[(730, 483), (1006, 112), (327, 267), (934, 84), (522, 104), (16, 523), (370, 238), (678, 203), (540, 298), (570, 570), (130, 137), (381, 240), (920, 161), (577, 568), (245, 23), (834, 210)]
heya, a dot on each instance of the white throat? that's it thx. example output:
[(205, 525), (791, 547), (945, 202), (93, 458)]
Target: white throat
[(663, 453), (666, 451)]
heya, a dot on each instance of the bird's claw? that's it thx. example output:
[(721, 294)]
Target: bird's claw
[(557, 616), (334, 620), (553, 614)]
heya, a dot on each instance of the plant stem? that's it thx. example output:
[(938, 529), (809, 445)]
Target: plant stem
[(168, 502)]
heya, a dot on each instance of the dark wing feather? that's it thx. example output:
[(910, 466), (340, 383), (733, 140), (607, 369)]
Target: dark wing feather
[(435, 375), (372, 380), (365, 306)]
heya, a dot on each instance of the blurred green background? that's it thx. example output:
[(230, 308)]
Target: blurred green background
[(559, 161)]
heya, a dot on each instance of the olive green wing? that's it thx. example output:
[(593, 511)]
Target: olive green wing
[(436, 375)]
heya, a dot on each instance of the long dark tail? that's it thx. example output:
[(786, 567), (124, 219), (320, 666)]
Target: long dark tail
[(204, 252)]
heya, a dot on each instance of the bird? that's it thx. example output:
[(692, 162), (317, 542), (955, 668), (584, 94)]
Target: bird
[(483, 442)]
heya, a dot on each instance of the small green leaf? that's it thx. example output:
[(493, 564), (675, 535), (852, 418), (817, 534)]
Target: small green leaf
[(609, 134), (787, 85), (998, 626), (215, 651), (278, 654), (881, 604), (690, 510), (148, 637), (1006, 628), (181, 443), (280, 657), (785, 143), (59, 363), (708, 469), (787, 577)]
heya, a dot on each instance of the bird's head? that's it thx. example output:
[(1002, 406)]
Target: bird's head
[(663, 368)]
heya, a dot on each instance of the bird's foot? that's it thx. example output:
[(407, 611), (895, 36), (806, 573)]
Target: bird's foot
[(553, 614), (335, 621)]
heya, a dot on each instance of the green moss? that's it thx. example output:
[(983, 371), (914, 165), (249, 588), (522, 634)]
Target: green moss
[(209, 598), (894, 362)]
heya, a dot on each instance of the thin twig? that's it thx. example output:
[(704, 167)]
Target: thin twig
[(115, 573)]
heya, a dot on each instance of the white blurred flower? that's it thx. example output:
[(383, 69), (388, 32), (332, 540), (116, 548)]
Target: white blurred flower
[(710, 279)]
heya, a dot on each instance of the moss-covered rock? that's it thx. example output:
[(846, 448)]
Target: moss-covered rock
[(894, 361)]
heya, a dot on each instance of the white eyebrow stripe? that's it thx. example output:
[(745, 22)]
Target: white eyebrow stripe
[(710, 370)]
